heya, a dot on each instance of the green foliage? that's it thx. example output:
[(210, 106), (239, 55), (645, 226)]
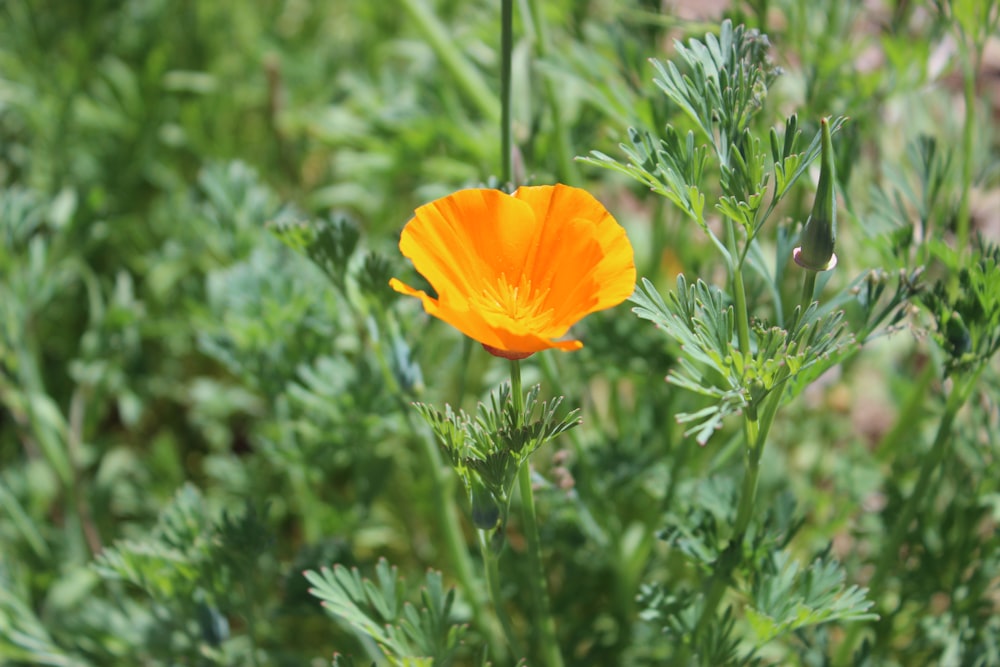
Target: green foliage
[(206, 382), (785, 599), (487, 450), (411, 636), (699, 319), (725, 84), (722, 88), (965, 306)]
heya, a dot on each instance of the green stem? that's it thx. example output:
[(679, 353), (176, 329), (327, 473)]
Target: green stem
[(889, 553), (515, 389), (761, 8), (754, 433), (491, 562), (566, 167), (739, 291), (444, 45), (506, 49), (545, 624), (968, 136), (731, 557), (808, 293)]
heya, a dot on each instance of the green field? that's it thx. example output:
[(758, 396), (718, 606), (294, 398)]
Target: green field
[(225, 439)]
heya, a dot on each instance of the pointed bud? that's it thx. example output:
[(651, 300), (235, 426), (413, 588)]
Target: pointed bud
[(485, 508), (820, 232)]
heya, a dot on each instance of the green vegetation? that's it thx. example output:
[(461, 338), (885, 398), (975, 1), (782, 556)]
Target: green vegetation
[(224, 440)]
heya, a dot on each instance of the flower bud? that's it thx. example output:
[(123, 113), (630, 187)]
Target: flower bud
[(819, 236), (485, 508)]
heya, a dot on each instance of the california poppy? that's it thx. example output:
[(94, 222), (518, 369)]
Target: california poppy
[(515, 272)]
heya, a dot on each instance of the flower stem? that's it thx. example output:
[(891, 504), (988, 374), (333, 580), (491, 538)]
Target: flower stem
[(969, 67), (545, 624), (739, 291), (910, 416), (730, 558), (755, 428), (808, 291), (506, 49), (515, 391), (490, 561)]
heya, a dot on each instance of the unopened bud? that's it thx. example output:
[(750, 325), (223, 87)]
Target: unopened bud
[(485, 508), (819, 236)]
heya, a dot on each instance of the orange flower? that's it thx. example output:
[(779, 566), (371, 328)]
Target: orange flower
[(515, 272)]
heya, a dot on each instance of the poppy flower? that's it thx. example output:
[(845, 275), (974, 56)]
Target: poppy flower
[(515, 272)]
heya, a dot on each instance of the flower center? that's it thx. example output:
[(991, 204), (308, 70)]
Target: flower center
[(518, 302)]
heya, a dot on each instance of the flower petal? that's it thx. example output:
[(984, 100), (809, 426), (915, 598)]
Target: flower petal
[(473, 325), (465, 320), (560, 257), (463, 242)]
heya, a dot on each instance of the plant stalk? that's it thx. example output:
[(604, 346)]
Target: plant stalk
[(506, 50), (739, 291), (969, 67), (491, 562), (544, 622), (754, 437)]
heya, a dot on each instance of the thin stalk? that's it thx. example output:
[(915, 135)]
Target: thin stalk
[(969, 67), (756, 426), (942, 438), (545, 624), (491, 562), (761, 8), (889, 553), (466, 77), (515, 390), (551, 655), (250, 618), (74, 445), (506, 49), (739, 291), (808, 292), (731, 557), (754, 440)]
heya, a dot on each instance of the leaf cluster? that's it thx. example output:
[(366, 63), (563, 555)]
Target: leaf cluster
[(411, 635), (965, 306), (722, 86), (702, 322), (784, 598), (488, 449)]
